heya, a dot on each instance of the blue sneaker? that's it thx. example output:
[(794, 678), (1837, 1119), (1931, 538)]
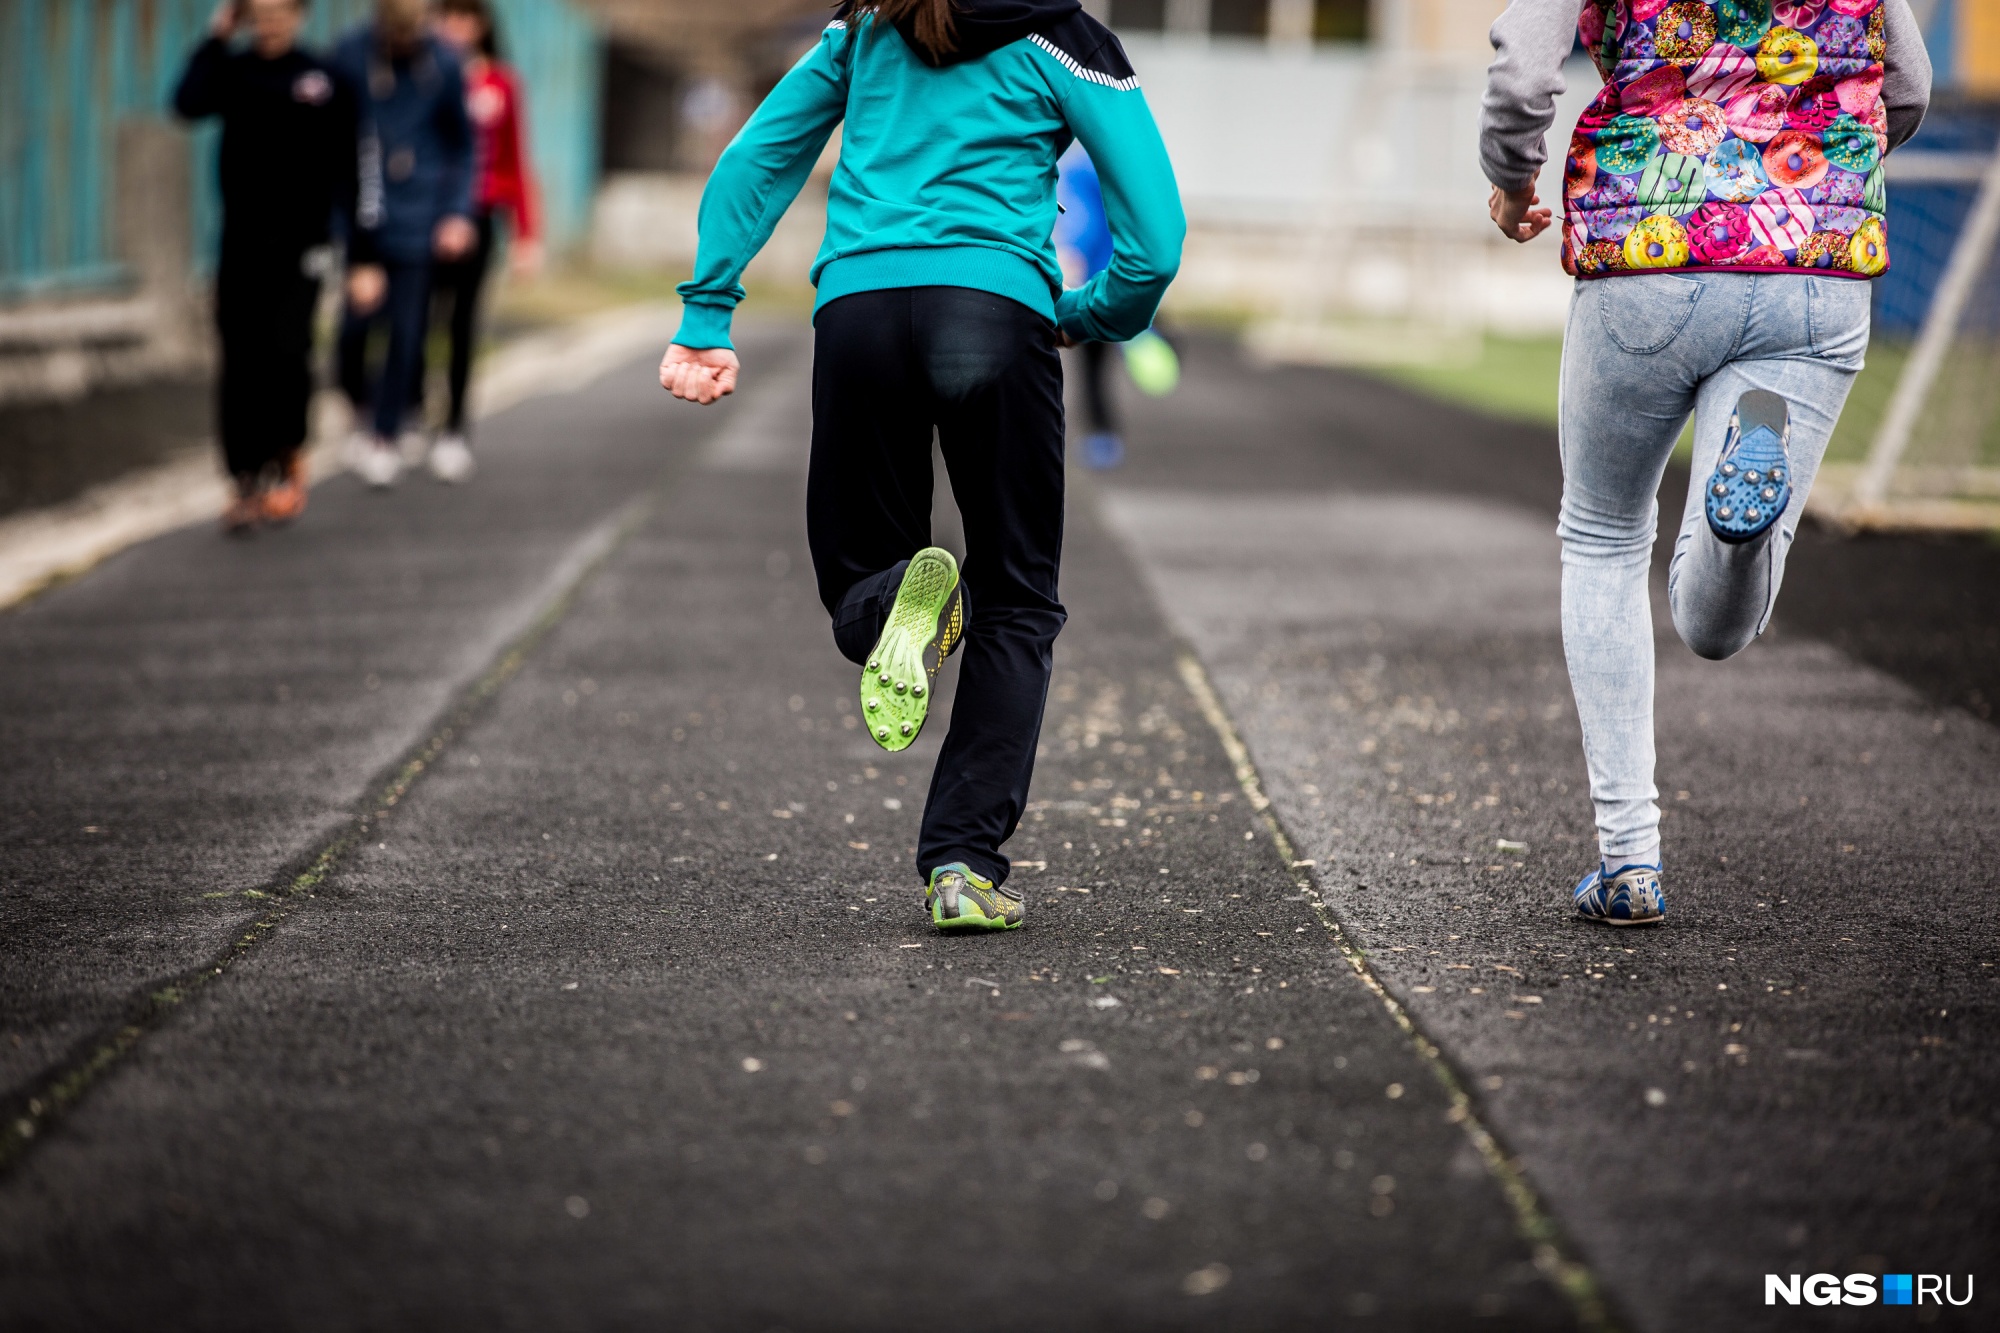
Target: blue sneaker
[(1752, 481), (1104, 450), (1631, 897)]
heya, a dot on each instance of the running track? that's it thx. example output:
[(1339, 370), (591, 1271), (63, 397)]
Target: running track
[(474, 908)]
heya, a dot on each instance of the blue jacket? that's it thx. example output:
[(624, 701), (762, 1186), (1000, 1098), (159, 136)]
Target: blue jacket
[(947, 170), (416, 145), (1082, 226)]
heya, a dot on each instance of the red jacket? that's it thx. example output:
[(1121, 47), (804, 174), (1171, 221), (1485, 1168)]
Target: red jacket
[(494, 104)]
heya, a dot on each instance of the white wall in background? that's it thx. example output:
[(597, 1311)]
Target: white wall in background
[(1345, 181), (1321, 183)]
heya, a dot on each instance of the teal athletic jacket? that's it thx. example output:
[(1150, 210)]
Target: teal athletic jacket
[(947, 172)]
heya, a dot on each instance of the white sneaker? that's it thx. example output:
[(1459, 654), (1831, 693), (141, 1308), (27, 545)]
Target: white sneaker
[(355, 451), (413, 444), (379, 463), (451, 460)]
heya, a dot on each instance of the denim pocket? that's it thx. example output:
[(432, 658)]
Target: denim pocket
[(1838, 312), (1643, 314)]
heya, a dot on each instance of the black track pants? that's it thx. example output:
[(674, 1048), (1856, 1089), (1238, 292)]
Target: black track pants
[(264, 312), (458, 283), (889, 368), (1097, 388), (405, 309)]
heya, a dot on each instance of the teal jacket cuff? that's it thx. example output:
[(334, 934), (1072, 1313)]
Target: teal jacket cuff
[(1069, 314), (704, 325)]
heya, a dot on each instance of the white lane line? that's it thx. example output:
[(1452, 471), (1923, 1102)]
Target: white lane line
[(35, 1106), (570, 358), (44, 547), (1555, 1253)]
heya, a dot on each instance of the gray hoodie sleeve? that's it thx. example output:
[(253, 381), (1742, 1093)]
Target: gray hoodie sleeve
[(1906, 72), (1533, 38), (1530, 42)]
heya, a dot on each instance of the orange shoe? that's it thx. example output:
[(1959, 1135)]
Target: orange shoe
[(287, 500)]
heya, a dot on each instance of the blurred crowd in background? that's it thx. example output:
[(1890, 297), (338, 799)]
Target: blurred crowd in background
[(402, 146)]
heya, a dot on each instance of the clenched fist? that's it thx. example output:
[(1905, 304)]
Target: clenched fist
[(699, 374)]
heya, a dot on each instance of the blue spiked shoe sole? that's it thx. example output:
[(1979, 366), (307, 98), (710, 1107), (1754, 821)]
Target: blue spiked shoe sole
[(1752, 482), (1743, 502)]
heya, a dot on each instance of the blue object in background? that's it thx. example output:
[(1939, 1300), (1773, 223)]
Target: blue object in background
[(1104, 450), (70, 71), (1924, 221), (1081, 228), (559, 50)]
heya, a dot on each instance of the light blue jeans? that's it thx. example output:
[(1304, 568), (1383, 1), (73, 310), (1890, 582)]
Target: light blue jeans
[(1641, 352)]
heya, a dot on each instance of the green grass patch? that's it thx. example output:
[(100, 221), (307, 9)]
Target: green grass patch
[(1516, 378), (1867, 401), (1512, 377)]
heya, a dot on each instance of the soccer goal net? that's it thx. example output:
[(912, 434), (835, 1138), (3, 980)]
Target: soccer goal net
[(1927, 412)]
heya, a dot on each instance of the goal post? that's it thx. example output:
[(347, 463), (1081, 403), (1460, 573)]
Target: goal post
[(1945, 363)]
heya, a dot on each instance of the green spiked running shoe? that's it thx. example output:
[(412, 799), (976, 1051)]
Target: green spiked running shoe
[(896, 686), (961, 900)]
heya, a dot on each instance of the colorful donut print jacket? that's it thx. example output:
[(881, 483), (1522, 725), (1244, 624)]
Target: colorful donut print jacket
[(1735, 136)]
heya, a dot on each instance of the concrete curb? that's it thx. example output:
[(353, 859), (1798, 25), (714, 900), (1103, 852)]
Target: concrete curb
[(46, 547)]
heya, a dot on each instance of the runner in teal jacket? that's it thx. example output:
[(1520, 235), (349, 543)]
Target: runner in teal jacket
[(947, 171), (940, 310)]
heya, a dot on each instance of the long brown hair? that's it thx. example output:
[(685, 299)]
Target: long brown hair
[(930, 22)]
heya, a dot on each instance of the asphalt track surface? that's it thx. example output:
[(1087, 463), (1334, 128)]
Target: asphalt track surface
[(479, 908)]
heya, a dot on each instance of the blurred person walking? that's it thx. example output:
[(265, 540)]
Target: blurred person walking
[(286, 168), (414, 207), (1724, 206), (1084, 245), (503, 184), (940, 310)]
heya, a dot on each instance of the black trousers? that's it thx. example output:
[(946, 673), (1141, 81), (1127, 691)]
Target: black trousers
[(458, 284), (889, 368), (1098, 401), (264, 311), (405, 311)]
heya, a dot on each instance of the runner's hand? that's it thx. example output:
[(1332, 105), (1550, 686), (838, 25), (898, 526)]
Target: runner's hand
[(453, 238), (367, 284), (1514, 212), (699, 375)]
